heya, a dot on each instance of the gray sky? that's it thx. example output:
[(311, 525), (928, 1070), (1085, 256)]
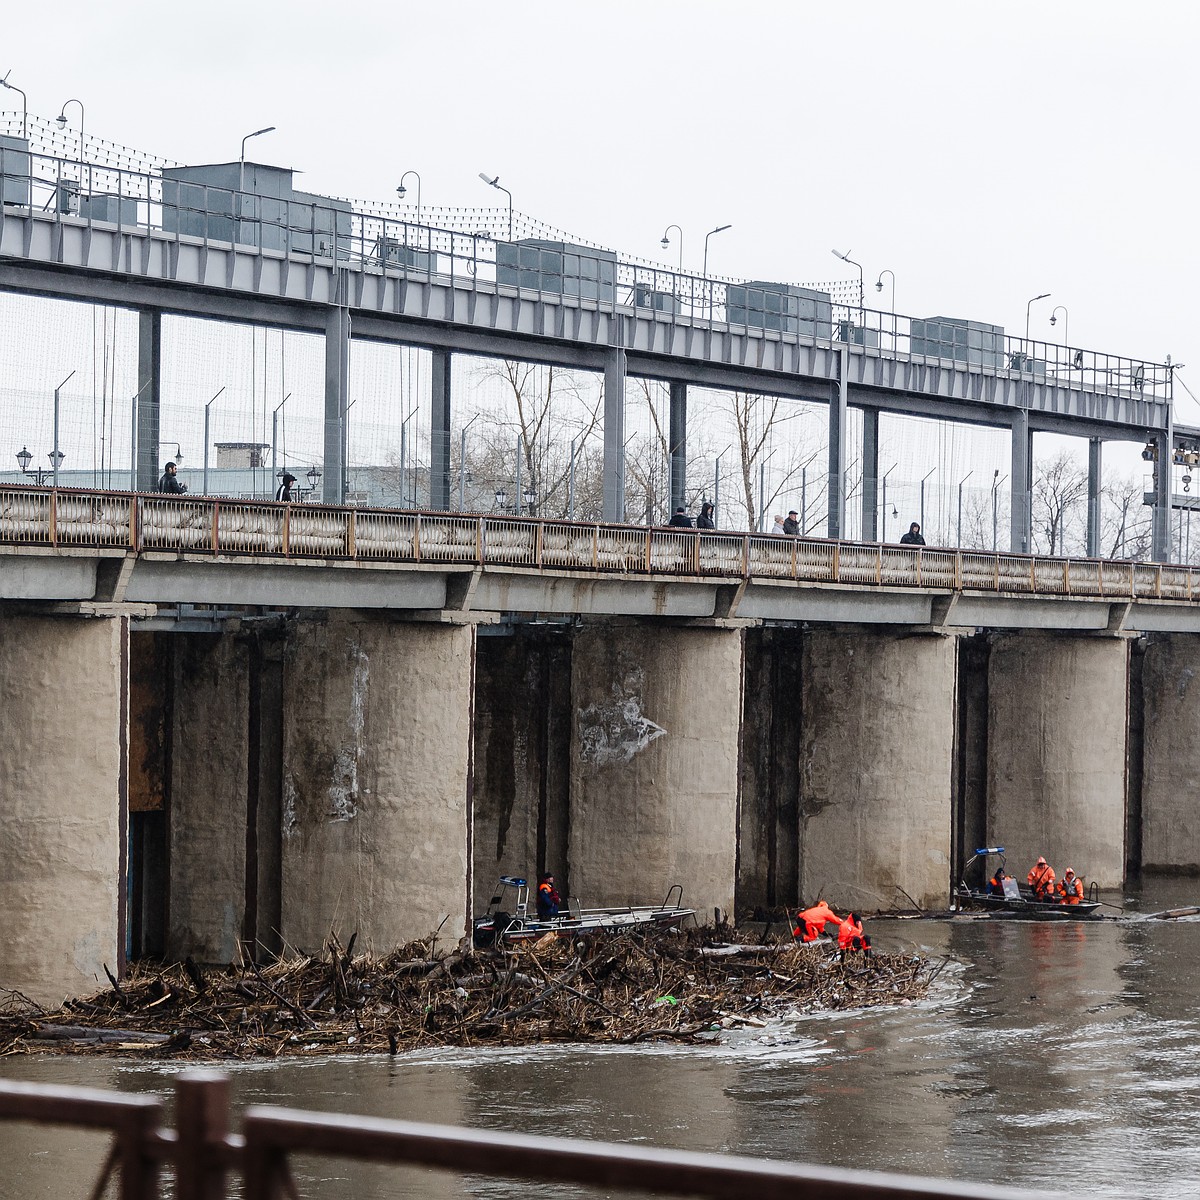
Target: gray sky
[(982, 153)]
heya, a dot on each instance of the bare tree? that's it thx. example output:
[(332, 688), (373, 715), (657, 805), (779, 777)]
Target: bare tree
[(1060, 488), (1126, 520)]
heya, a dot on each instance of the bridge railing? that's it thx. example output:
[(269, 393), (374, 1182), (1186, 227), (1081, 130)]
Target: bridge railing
[(206, 1156), (233, 529), (556, 272)]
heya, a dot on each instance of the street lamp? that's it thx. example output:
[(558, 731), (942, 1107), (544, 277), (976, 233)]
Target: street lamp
[(39, 475), (717, 483), (847, 259), (61, 122), (402, 191), (207, 407), (24, 105), (529, 496), (879, 285), (883, 526), (960, 490), (462, 461), (927, 475), (314, 477), (501, 499), (274, 438), (719, 229), (242, 159), (666, 241), (996, 482), (404, 456), (495, 182), (1043, 296), (1062, 308)]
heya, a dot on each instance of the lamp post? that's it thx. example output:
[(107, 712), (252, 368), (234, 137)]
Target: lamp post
[(762, 491), (879, 286), (1062, 308), (402, 191), (207, 408), (717, 484), (847, 259), (404, 457), (56, 455), (1028, 306), (960, 491), (242, 157), (883, 524), (314, 477), (666, 241), (996, 482), (274, 439), (719, 229), (495, 182), (24, 105), (39, 475), (133, 435), (462, 462), (927, 475)]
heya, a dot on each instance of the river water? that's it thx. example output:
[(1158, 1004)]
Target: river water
[(1050, 1055)]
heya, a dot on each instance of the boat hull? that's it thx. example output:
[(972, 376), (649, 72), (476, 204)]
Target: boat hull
[(1033, 910)]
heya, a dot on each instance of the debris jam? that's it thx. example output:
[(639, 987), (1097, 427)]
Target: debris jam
[(647, 986)]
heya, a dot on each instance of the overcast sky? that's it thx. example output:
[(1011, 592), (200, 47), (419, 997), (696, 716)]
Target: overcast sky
[(984, 153)]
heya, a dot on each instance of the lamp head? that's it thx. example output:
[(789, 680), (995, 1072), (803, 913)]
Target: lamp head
[(490, 180), (666, 241), (24, 458), (1053, 319), (61, 120), (722, 228), (402, 191), (879, 285)]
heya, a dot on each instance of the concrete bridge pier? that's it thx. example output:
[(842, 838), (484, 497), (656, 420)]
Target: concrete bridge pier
[(877, 715), (64, 694), (654, 764), (1057, 752), (377, 766)]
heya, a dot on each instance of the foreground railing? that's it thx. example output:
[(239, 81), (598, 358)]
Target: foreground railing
[(231, 528), (203, 1153)]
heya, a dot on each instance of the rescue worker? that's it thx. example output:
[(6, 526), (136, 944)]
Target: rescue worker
[(1041, 880), (548, 898), (1071, 888), (995, 885), (851, 936), (811, 923)]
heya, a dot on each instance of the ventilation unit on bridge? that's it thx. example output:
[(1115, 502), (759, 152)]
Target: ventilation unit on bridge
[(14, 171), (559, 267), (780, 306), (394, 253), (253, 205), (963, 341)]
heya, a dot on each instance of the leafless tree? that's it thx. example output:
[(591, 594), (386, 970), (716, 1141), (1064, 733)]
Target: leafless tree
[(1060, 488), (1126, 520)]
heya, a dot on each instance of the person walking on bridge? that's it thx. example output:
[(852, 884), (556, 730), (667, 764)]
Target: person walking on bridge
[(170, 481), (1041, 880), (1071, 888), (913, 536)]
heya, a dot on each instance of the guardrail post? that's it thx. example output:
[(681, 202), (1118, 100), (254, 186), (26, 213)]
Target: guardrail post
[(216, 514), (139, 1172), (52, 512), (202, 1124), (352, 534)]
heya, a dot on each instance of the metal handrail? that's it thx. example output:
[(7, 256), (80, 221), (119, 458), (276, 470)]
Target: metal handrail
[(233, 529)]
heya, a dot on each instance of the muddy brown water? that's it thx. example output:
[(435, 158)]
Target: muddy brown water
[(1050, 1056)]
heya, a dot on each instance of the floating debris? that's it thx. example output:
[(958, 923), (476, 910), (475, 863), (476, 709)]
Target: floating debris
[(635, 987)]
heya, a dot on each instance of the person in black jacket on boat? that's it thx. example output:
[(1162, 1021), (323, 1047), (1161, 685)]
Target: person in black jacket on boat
[(548, 898)]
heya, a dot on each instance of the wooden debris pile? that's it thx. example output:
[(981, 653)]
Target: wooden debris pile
[(622, 988)]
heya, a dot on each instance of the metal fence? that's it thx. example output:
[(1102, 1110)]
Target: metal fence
[(334, 232), (31, 516), (204, 1154)]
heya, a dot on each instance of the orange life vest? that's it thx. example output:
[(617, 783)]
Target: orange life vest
[(1071, 890)]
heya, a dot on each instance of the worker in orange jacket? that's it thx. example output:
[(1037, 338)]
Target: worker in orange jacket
[(851, 936), (810, 923), (1071, 888), (1041, 880)]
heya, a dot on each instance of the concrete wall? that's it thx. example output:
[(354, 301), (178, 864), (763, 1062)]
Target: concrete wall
[(63, 694), (1056, 753), (376, 779), (876, 761), (654, 764), (1171, 754), (522, 758), (207, 819)]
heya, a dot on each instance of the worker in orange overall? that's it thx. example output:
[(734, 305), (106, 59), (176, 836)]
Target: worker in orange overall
[(1071, 888), (851, 936), (810, 923), (1041, 880)]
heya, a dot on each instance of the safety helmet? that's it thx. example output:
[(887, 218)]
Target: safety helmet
[(1041, 862)]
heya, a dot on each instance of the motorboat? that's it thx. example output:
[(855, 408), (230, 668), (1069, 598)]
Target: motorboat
[(508, 917), (1015, 900)]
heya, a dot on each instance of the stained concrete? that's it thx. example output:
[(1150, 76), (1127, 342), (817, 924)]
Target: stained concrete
[(63, 692), (654, 764), (876, 761), (1056, 753), (377, 768), (1171, 754), (207, 819), (522, 758)]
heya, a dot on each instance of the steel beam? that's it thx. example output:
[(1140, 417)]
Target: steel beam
[(148, 398), (1161, 517), (614, 435), (678, 445), (1021, 474), (439, 435), (1095, 489), (838, 402), (870, 477), (337, 387)]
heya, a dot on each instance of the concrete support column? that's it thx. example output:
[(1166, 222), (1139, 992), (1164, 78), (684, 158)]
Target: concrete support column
[(376, 782), (337, 389), (148, 399), (1170, 754), (64, 697), (838, 402), (1161, 532), (614, 435), (1056, 753), (870, 477), (1095, 487), (439, 434), (876, 765), (678, 447), (1021, 505), (654, 764)]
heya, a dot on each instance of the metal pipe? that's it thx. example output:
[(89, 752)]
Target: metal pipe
[(274, 432), (960, 490), (404, 457), (55, 456), (462, 459), (24, 105), (927, 475), (206, 412)]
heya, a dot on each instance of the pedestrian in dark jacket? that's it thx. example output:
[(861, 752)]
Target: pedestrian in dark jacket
[(705, 519), (284, 491), (792, 524), (681, 519), (913, 536), (548, 898), (169, 482)]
